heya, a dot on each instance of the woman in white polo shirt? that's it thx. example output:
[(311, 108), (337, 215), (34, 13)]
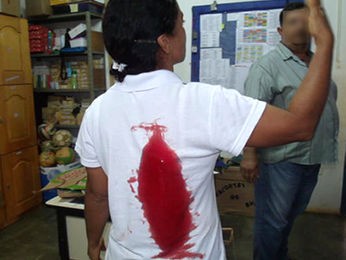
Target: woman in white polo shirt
[(150, 142)]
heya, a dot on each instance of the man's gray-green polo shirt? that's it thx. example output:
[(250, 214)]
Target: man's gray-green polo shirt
[(274, 78)]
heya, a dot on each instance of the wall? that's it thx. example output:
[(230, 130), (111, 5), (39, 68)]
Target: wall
[(327, 195)]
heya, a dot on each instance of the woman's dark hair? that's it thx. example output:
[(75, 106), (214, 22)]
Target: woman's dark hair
[(130, 30), (291, 7)]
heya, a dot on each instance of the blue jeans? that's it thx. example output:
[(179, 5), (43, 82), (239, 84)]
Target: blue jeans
[(282, 192)]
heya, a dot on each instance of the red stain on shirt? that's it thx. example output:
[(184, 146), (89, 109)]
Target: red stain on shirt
[(131, 181), (164, 196)]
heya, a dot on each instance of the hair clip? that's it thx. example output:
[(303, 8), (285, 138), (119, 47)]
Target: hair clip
[(144, 41), (119, 66)]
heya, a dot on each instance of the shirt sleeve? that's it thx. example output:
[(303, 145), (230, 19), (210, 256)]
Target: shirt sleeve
[(233, 118), (259, 84), (85, 146)]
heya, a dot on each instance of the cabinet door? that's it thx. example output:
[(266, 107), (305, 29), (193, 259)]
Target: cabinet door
[(21, 181), (15, 64), (17, 119)]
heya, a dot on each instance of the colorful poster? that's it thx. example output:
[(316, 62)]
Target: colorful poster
[(251, 35)]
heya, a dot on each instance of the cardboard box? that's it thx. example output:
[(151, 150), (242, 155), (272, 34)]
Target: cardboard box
[(97, 41), (50, 173), (11, 7), (69, 177), (233, 193), (38, 8), (58, 2), (78, 42), (99, 78), (78, 6), (78, 30)]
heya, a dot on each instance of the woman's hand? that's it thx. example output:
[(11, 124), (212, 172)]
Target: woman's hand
[(95, 251), (319, 26)]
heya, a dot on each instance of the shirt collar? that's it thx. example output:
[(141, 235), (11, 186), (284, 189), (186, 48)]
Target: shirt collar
[(148, 80), (287, 54)]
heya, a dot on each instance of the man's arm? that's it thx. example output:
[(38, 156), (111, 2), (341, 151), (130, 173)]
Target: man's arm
[(96, 210), (298, 123)]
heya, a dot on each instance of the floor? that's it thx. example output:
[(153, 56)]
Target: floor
[(314, 237), (33, 237)]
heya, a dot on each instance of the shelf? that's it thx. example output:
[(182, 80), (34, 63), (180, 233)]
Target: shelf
[(57, 55), (67, 126), (98, 53), (94, 50), (62, 90), (96, 90), (100, 90), (65, 17)]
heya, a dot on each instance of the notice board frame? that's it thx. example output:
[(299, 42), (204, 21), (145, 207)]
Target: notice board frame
[(197, 11)]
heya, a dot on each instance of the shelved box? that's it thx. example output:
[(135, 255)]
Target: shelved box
[(99, 78), (49, 173), (11, 7), (78, 42), (59, 2), (80, 6), (97, 41), (78, 30), (38, 8), (38, 36)]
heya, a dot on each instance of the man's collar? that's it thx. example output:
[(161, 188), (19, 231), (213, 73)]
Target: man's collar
[(287, 54)]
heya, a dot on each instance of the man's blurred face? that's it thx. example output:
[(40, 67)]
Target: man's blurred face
[(294, 29)]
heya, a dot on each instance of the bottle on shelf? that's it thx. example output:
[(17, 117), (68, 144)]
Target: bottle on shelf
[(50, 42), (73, 80)]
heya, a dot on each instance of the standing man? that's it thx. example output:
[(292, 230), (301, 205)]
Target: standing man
[(286, 175)]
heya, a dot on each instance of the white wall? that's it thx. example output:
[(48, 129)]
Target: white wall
[(327, 195)]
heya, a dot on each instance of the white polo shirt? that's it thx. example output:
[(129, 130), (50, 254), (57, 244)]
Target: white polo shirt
[(157, 140)]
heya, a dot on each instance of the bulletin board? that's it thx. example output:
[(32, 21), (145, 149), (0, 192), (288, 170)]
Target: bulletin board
[(228, 38)]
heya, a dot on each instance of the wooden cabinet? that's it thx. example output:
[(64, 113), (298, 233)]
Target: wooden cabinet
[(17, 120), (15, 64), (19, 169), (21, 181)]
